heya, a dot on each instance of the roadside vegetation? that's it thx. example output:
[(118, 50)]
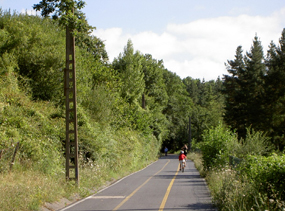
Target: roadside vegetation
[(241, 176), (237, 123)]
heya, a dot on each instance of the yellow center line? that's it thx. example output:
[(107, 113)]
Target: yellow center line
[(129, 196), (168, 191)]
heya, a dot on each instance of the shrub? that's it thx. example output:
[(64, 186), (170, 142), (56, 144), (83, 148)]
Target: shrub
[(267, 173), (256, 143), (218, 143), (234, 191)]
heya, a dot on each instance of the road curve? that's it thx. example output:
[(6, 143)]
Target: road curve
[(160, 186)]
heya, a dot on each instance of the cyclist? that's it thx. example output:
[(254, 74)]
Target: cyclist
[(165, 151), (185, 149), (182, 160)]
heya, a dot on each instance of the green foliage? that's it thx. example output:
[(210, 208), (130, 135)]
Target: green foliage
[(256, 143), (39, 126), (156, 97), (129, 67), (242, 189), (218, 143), (38, 135), (38, 52), (67, 12), (253, 184), (232, 191), (208, 106), (101, 105), (267, 173), (155, 87), (177, 110), (274, 92)]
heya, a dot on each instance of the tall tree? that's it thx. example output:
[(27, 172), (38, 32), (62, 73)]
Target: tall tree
[(244, 89), (235, 101), (129, 67), (275, 89), (253, 87), (156, 97), (154, 82), (67, 12)]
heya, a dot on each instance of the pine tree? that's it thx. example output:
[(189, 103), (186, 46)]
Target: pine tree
[(235, 101), (244, 90), (253, 86), (275, 89)]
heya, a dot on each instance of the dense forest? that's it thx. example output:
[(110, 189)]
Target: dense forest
[(113, 122)]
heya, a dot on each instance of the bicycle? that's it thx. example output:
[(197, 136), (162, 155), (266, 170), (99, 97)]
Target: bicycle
[(183, 166)]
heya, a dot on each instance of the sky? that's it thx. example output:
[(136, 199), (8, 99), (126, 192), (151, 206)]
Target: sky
[(193, 38)]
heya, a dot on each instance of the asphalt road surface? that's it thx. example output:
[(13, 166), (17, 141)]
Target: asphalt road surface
[(160, 186)]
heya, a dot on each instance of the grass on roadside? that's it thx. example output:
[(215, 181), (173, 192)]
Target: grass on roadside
[(197, 159), (26, 190)]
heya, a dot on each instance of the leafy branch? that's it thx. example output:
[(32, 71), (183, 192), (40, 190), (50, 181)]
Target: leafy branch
[(67, 12)]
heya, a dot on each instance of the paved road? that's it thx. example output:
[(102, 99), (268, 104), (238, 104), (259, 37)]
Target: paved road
[(160, 186)]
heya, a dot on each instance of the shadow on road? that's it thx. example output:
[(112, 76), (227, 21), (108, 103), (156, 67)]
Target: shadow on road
[(169, 156), (179, 176), (197, 206)]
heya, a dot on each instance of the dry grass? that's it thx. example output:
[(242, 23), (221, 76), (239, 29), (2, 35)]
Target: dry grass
[(198, 161), (28, 190)]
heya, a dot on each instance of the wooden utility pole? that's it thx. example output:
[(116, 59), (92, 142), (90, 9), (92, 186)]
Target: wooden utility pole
[(189, 137), (71, 141), (143, 101)]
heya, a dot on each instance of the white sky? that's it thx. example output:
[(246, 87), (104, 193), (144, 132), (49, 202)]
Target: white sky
[(193, 38)]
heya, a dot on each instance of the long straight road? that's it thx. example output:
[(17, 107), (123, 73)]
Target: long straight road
[(160, 186)]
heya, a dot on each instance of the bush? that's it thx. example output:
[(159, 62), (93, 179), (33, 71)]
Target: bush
[(218, 143), (256, 143), (258, 181), (228, 192), (267, 173), (234, 191)]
